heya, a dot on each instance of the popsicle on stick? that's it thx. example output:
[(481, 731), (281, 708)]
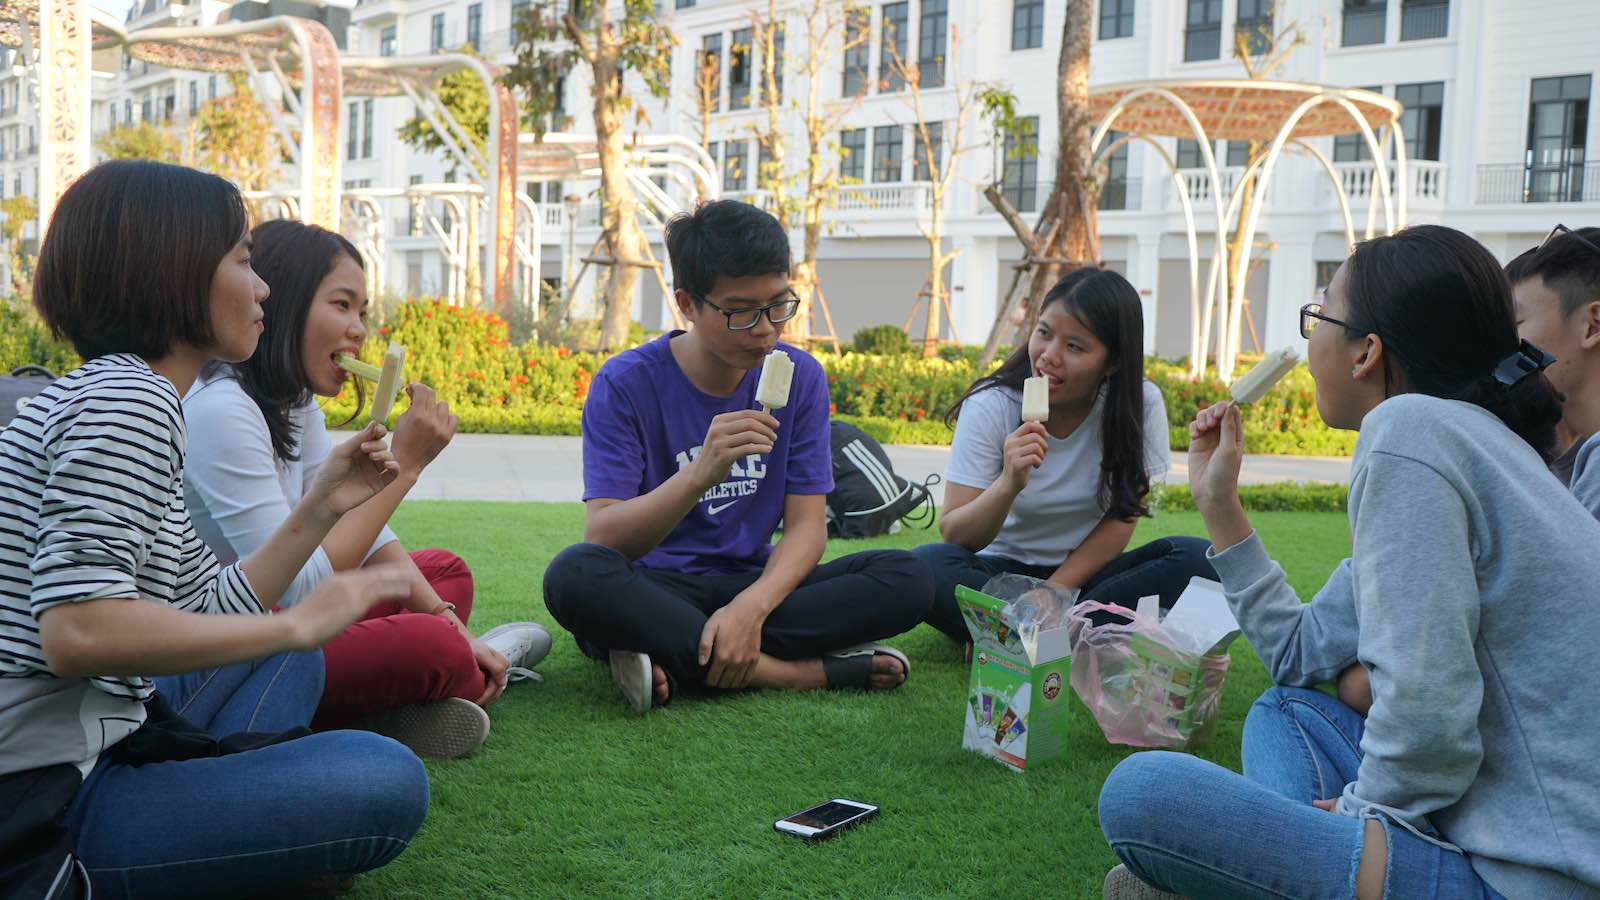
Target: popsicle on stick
[(1264, 376), (1035, 399), (772, 391), (388, 378)]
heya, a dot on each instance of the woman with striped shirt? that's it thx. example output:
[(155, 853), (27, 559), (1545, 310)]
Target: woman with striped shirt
[(104, 584)]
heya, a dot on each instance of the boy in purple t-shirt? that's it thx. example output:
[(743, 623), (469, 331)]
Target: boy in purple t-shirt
[(685, 481)]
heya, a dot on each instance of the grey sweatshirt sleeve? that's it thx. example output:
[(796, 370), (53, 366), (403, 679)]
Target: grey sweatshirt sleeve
[(1417, 601), (1585, 482), (1302, 644)]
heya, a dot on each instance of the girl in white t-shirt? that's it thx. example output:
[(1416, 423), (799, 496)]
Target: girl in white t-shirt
[(1058, 500), (409, 669)]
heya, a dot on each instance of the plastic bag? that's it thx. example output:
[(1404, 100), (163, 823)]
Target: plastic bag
[(1143, 687), (1032, 604)]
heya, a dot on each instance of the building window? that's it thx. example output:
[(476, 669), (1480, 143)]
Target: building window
[(366, 128), (1325, 270), (1255, 25), (1027, 24), (1019, 182), (1353, 147), (194, 97), (144, 109), (739, 69), (714, 150), (1114, 193), (932, 39), (858, 38), (436, 33), (1202, 38), (1189, 155), (711, 71), (1238, 154), (921, 171), (169, 105), (475, 25), (1424, 19), (127, 111), (1116, 21), (887, 143), (683, 4), (895, 16), (853, 153), (352, 143), (112, 108), (777, 60), (737, 154), (1365, 22), (1558, 121), (386, 41), (211, 87), (1423, 119)]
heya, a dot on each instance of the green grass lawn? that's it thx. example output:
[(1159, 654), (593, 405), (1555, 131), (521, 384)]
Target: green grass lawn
[(573, 795)]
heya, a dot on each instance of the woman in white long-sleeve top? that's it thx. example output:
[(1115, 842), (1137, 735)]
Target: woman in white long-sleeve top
[(1469, 600)]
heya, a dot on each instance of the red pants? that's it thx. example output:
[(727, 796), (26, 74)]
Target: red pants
[(395, 657)]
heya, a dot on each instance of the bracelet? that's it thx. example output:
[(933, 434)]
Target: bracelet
[(443, 608)]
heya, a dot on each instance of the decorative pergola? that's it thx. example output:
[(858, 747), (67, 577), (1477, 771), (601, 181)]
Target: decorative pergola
[(70, 34), (492, 170), (293, 66), (1277, 113)]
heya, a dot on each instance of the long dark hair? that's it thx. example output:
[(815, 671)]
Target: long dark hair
[(1442, 306), (1109, 306), (292, 258)]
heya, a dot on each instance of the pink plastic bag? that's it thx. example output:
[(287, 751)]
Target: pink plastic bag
[(1143, 688)]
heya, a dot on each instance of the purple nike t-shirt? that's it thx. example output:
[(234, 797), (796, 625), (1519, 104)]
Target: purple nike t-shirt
[(644, 420)]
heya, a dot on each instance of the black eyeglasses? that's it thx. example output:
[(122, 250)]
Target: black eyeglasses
[(1558, 231), (1311, 314), (745, 318)]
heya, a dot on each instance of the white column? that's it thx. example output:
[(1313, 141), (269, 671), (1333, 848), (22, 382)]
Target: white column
[(1291, 284), (64, 100), (974, 286), (1144, 271)]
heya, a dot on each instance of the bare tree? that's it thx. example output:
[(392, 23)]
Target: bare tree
[(611, 46), (769, 132)]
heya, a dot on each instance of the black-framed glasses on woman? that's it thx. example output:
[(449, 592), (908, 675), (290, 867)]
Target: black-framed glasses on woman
[(1560, 230), (1310, 315), (746, 317)]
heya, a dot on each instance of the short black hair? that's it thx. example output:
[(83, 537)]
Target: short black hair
[(127, 263), (724, 237), (1567, 266)]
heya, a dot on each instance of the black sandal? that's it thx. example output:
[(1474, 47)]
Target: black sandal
[(852, 666)]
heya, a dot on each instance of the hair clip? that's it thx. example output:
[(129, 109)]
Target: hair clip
[(1526, 361)]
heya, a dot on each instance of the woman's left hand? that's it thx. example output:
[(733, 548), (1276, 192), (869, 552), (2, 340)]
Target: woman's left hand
[(355, 471), (494, 666)]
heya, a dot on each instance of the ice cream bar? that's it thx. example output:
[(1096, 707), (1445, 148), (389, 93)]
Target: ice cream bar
[(349, 363), (1035, 399), (389, 380), (772, 391), (1254, 384)]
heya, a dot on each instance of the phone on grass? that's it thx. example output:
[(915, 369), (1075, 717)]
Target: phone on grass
[(826, 819)]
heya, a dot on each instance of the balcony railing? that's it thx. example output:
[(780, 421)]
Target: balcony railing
[(1521, 183), (1424, 182), (1420, 21), (909, 196)]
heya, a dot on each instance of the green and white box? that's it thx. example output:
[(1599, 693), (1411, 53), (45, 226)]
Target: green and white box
[(1016, 706)]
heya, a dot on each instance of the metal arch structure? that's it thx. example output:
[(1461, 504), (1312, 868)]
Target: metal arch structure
[(291, 62), (66, 33), (494, 174), (1274, 112)]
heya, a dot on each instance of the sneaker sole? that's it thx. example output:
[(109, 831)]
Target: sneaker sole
[(631, 672), (445, 729)]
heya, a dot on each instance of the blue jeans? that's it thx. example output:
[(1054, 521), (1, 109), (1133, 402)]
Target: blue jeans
[(334, 802), (1162, 567), (1190, 826)]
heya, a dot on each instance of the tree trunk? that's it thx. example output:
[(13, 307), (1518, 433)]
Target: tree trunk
[(621, 222), (1076, 194), (804, 277)]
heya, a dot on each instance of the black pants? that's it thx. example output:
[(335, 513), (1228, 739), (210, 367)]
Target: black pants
[(609, 603)]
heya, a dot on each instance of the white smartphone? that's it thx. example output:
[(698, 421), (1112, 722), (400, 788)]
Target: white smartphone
[(826, 819)]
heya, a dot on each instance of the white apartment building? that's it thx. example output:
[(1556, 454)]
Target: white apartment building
[(1497, 96)]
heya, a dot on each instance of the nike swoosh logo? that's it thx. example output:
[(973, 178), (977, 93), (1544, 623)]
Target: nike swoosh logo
[(713, 509)]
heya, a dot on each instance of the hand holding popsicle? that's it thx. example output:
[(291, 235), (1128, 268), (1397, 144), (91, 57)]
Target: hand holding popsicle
[(732, 437), (1024, 451)]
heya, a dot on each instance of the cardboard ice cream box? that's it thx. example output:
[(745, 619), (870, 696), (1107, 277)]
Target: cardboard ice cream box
[(1017, 694)]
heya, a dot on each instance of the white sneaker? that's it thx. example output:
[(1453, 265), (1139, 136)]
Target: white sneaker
[(631, 671), (523, 644)]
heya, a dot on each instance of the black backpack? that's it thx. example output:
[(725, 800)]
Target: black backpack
[(868, 498), (19, 387)]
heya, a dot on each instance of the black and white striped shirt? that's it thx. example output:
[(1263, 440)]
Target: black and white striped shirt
[(91, 507)]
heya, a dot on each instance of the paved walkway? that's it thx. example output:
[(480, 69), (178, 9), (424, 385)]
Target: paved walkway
[(549, 469)]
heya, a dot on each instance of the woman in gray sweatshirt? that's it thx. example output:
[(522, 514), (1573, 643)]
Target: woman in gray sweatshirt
[(1469, 599)]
